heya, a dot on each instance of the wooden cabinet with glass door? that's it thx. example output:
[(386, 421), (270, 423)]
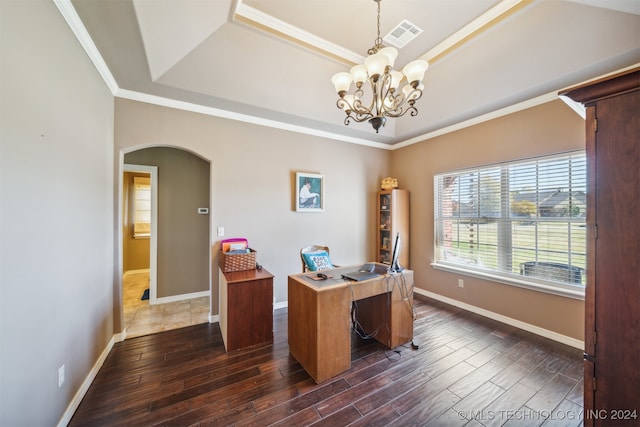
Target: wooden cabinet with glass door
[(393, 218)]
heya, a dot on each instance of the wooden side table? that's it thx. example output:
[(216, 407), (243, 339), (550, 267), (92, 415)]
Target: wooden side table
[(246, 308)]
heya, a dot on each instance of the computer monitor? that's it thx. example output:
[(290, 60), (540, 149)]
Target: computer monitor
[(395, 266)]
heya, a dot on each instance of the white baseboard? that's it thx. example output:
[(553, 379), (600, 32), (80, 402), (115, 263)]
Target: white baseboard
[(504, 319), (121, 336), (75, 402), (213, 318), (183, 297), (564, 339)]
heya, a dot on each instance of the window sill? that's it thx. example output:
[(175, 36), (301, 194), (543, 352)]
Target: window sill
[(521, 283)]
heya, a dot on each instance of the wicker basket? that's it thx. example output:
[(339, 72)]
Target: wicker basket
[(238, 262)]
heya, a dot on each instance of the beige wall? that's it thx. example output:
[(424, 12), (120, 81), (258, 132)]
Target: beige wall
[(548, 128), (252, 185), (252, 179)]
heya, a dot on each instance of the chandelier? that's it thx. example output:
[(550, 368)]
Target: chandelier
[(385, 99)]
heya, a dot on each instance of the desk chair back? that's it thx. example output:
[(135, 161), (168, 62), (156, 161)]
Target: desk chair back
[(311, 249)]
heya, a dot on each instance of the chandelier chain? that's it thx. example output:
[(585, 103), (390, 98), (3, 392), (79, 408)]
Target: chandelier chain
[(378, 41)]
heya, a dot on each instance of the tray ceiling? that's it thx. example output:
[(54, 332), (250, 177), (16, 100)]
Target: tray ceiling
[(270, 62)]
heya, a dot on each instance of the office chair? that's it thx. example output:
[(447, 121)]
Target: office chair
[(315, 258)]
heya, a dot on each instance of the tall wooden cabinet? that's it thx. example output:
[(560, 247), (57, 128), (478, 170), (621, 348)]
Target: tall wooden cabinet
[(393, 218), (612, 301)]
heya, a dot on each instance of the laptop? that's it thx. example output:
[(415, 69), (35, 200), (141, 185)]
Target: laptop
[(358, 276)]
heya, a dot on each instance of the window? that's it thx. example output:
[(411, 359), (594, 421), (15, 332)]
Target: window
[(520, 222), (142, 206)]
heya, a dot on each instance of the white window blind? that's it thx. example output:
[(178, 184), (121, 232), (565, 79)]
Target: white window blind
[(523, 218), (142, 206)]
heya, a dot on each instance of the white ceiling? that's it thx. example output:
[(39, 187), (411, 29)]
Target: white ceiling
[(271, 61)]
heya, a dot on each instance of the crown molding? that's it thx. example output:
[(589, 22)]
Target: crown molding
[(73, 20), (225, 114)]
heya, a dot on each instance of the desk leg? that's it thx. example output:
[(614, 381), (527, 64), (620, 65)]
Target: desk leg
[(402, 310)]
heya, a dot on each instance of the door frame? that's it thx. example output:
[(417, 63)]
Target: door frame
[(153, 241)]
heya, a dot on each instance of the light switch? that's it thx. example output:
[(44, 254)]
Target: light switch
[(220, 231)]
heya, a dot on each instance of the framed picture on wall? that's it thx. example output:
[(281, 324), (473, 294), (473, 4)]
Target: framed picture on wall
[(309, 192)]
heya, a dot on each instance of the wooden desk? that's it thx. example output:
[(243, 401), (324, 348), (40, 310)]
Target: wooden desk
[(320, 317), (246, 308)]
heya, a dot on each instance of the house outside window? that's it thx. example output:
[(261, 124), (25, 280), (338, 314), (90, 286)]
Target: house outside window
[(522, 222)]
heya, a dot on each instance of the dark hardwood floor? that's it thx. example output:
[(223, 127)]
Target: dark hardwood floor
[(468, 370)]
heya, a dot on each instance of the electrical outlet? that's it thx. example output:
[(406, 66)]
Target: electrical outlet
[(220, 231), (460, 283), (60, 376)]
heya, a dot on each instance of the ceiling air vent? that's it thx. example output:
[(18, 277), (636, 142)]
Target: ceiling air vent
[(402, 34)]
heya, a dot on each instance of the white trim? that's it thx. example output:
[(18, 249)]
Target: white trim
[(529, 103), (578, 107), (121, 336), (182, 297), (296, 33), (528, 283), (573, 342), (75, 402), (283, 304), (70, 15), (474, 26), (217, 112)]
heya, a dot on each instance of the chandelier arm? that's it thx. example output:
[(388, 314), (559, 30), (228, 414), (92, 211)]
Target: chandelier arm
[(394, 112), (402, 108), (358, 106), (410, 108), (362, 116), (391, 103), (361, 112), (341, 103), (414, 95)]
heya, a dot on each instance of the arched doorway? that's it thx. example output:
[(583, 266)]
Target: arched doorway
[(182, 241)]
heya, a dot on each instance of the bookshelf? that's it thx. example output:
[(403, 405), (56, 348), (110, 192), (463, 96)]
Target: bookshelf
[(393, 218)]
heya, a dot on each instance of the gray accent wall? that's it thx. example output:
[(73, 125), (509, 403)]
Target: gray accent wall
[(57, 283), (183, 234)]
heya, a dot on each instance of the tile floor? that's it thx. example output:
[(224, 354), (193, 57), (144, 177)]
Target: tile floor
[(140, 318)]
